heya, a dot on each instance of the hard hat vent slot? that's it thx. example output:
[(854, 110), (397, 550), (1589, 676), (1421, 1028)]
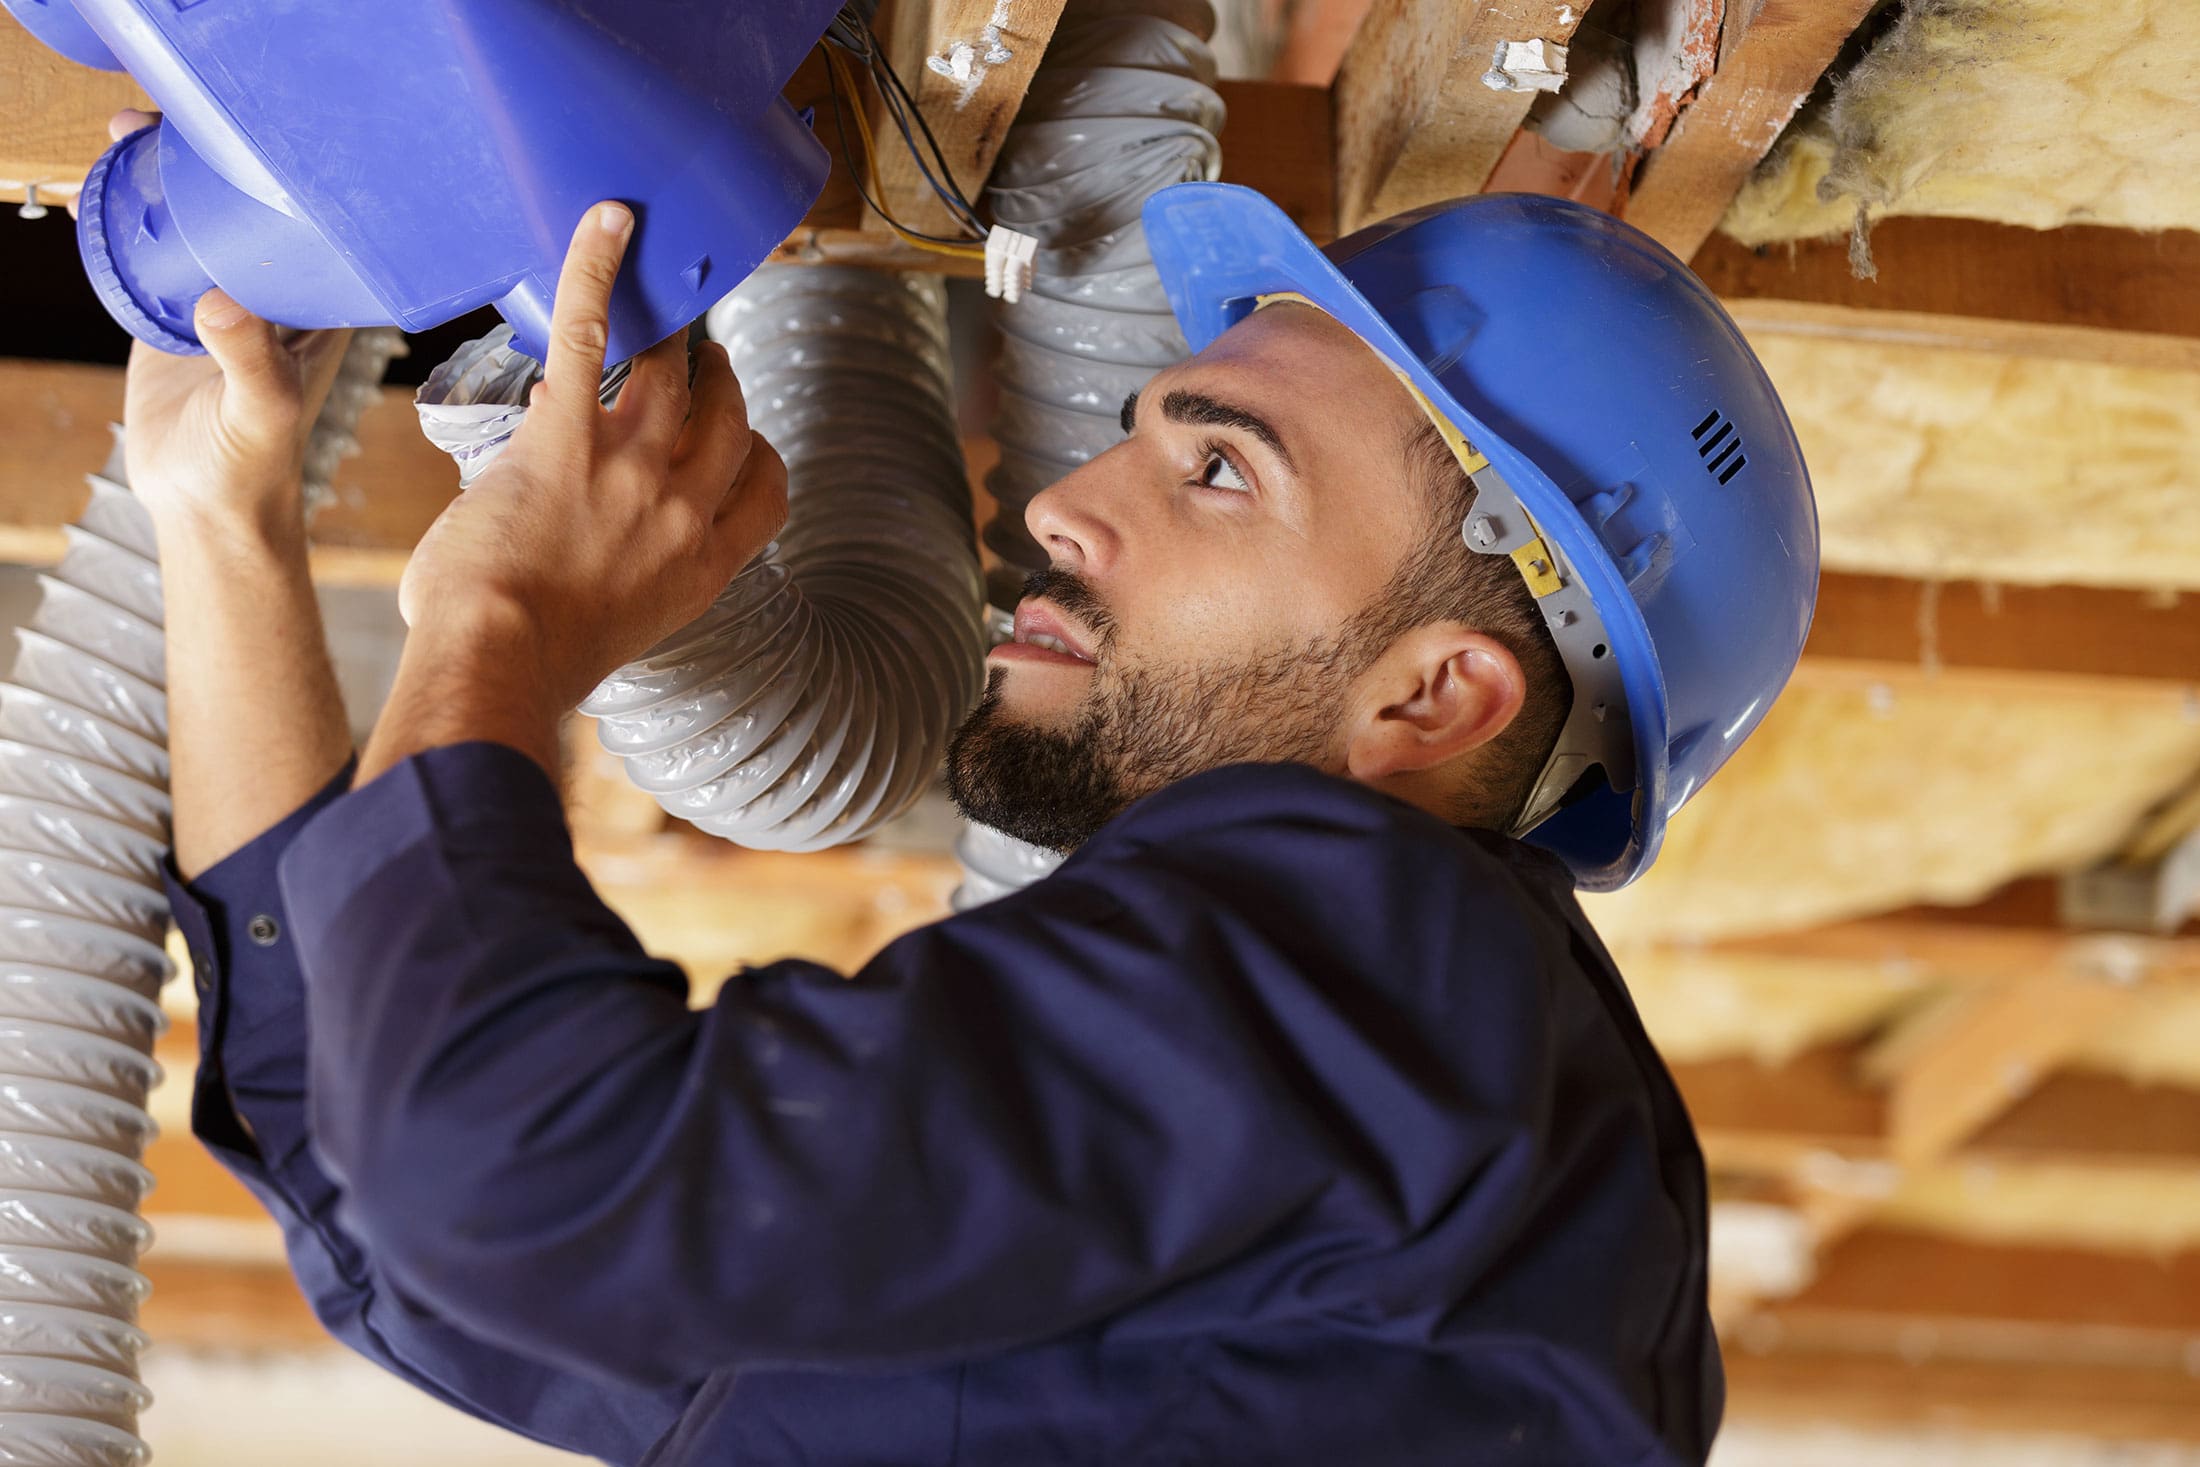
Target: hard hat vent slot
[(1719, 446)]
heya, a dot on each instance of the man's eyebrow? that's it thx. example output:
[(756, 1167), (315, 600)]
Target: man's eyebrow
[(1199, 410), (1130, 411)]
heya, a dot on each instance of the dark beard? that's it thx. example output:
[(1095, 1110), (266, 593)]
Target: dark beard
[(1138, 731)]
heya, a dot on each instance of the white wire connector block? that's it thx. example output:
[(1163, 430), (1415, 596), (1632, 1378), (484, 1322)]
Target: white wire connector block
[(1010, 260)]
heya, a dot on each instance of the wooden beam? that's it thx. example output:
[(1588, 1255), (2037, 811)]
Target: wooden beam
[(1797, 1385), (54, 429), (1414, 122), (1901, 1328), (1952, 1068), (1816, 1113), (2016, 933), (985, 53), (1901, 1278), (1273, 130), (2074, 639), (246, 1308), (2080, 291), (53, 116), (1687, 182)]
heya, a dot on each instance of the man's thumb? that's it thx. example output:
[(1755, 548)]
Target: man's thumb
[(260, 374)]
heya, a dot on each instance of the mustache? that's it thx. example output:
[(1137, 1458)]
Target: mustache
[(1076, 596)]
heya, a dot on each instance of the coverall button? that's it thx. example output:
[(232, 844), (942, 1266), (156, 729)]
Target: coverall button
[(263, 930)]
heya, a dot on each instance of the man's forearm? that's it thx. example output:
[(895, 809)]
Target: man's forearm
[(469, 673), (256, 725)]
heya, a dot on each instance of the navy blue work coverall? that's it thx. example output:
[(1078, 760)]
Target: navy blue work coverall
[(1283, 1125)]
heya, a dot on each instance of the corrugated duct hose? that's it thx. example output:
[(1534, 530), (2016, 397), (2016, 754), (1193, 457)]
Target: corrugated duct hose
[(813, 701), (1123, 105), (83, 823)]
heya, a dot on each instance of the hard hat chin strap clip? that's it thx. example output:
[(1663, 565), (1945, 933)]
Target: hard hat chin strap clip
[(1597, 733)]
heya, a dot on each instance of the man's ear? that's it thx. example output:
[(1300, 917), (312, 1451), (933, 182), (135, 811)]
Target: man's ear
[(1439, 692)]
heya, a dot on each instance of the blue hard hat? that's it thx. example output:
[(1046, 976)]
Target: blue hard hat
[(1628, 453)]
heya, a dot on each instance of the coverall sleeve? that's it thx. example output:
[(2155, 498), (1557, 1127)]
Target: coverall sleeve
[(249, 1108), (1009, 1125)]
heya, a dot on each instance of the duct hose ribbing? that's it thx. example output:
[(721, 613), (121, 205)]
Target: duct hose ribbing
[(83, 825), (813, 701), (1123, 105)]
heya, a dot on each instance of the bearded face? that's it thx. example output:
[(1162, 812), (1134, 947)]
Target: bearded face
[(1140, 725)]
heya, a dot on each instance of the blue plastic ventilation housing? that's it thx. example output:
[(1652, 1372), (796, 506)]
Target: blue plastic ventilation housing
[(332, 163)]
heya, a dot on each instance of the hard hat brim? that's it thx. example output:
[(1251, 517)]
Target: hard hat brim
[(1219, 248)]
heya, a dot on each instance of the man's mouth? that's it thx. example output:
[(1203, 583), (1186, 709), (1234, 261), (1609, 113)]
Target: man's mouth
[(1042, 634)]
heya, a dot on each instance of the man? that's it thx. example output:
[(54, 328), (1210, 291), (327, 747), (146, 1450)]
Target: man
[(1298, 1119)]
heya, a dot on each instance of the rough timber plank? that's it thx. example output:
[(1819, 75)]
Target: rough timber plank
[(53, 115), (2084, 291), (1414, 122), (970, 111), (1687, 182)]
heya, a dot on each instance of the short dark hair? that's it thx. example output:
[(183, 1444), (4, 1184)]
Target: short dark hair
[(1440, 579)]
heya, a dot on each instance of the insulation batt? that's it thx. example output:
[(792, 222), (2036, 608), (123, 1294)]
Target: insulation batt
[(2033, 112), (1949, 464), (1920, 793)]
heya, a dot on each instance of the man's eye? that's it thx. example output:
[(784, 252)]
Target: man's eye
[(1220, 473)]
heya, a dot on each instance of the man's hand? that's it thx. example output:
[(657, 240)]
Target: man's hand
[(598, 532), (217, 443), (595, 534)]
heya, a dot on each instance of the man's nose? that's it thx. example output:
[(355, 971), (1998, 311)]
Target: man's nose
[(1068, 521)]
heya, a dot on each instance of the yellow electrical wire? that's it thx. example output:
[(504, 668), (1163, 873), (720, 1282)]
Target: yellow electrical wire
[(870, 159)]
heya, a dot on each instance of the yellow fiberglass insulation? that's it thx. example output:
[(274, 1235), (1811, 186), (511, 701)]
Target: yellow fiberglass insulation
[(2034, 112), (1951, 464), (1854, 800)]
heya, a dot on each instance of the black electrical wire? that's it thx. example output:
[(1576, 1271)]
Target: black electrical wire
[(901, 104), (851, 31), (857, 173)]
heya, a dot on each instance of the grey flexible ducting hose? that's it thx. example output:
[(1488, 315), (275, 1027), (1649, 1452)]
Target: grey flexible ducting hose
[(83, 824), (1123, 105), (813, 701)]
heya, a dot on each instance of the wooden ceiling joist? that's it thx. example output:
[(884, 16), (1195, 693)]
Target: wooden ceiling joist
[(1800, 1383), (2089, 638), (1764, 74), (54, 429), (2016, 933), (1906, 1329), (1415, 123), (1955, 1066), (2080, 291), (53, 115), (1818, 1109), (968, 63)]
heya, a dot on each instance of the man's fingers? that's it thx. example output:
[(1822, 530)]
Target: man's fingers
[(655, 399), (320, 355), (717, 436), (262, 378), (756, 509), (119, 126), (580, 322), (127, 121)]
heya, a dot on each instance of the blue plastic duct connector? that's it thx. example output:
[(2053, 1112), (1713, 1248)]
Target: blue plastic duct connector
[(331, 163)]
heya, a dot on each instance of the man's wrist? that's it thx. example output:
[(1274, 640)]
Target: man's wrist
[(259, 527), (473, 670)]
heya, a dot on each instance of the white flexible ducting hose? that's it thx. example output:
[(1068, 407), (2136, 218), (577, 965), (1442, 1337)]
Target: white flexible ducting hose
[(1123, 105), (813, 701), (83, 824)]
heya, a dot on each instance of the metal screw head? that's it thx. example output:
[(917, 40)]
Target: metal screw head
[(1482, 532), (32, 209)]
